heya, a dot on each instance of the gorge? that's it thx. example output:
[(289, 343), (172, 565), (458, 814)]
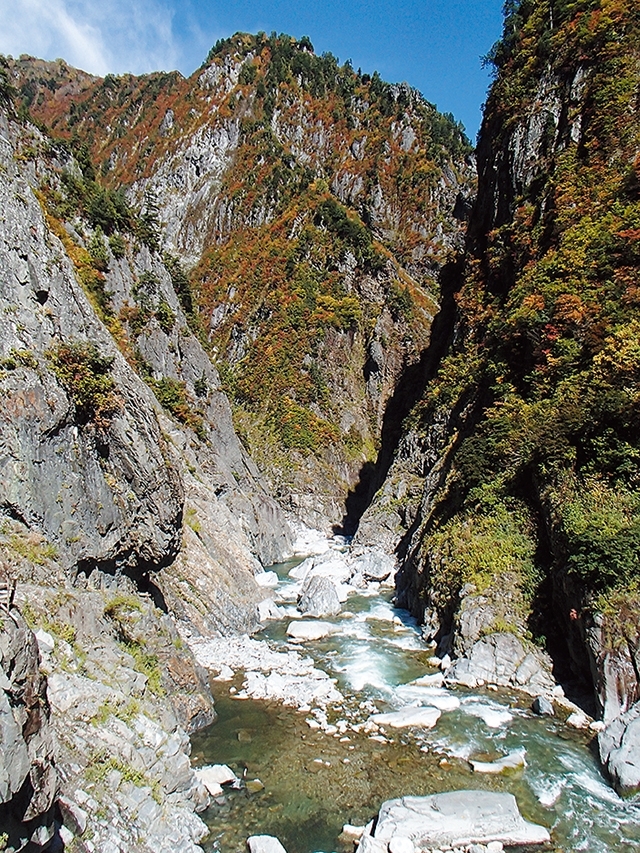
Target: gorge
[(281, 296)]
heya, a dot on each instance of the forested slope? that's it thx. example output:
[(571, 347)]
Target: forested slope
[(529, 433)]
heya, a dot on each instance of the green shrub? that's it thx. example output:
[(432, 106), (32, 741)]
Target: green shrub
[(300, 429), (117, 245), (602, 527), (85, 375), (165, 316), (172, 396), (478, 548), (98, 250), (19, 358)]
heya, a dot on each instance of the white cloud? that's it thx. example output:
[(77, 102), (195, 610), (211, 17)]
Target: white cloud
[(98, 36)]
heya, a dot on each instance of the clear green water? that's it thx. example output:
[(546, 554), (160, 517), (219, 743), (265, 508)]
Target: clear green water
[(314, 782)]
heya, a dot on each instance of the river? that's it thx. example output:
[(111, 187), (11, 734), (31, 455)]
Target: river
[(317, 779)]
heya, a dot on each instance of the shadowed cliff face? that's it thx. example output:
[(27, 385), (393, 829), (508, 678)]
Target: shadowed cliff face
[(518, 468), (28, 778), (313, 207)]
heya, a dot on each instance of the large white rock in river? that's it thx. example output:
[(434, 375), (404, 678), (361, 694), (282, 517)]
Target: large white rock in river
[(455, 819), (319, 597), (264, 844), (425, 718), (301, 631)]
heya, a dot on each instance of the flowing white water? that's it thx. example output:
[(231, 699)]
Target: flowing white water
[(375, 657)]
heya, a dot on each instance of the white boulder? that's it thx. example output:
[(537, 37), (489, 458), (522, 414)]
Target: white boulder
[(456, 819), (264, 844), (424, 718), (513, 761), (302, 631)]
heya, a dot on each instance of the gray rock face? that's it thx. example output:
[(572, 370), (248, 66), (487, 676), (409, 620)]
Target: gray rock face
[(109, 497), (319, 597), (619, 747), (457, 818), (122, 695), (374, 565), (615, 670), (26, 736), (503, 660)]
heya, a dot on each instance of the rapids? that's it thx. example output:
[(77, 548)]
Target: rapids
[(320, 774)]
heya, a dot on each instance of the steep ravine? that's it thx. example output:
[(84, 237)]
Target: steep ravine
[(511, 500), (476, 406), (312, 207)]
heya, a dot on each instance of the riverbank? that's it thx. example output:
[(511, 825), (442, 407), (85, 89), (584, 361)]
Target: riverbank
[(326, 764)]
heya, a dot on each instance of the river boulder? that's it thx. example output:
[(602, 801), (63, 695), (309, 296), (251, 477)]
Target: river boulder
[(319, 597), (504, 660), (302, 631), (455, 819), (264, 844), (619, 746)]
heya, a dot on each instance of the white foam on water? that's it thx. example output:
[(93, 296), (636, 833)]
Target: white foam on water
[(365, 669), (355, 629), (381, 610), (547, 790), (591, 783), (309, 541), (492, 715), (408, 643), (436, 696), (452, 749)]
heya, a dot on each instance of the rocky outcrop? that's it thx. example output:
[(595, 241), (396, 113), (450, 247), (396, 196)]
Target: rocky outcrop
[(614, 653), (107, 496), (107, 492), (503, 659), (619, 747), (28, 776), (123, 692)]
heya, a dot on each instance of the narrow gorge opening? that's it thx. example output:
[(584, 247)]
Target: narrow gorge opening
[(407, 393)]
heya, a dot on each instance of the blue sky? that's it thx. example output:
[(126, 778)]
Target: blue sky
[(435, 45)]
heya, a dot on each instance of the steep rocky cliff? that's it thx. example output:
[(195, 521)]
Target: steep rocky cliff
[(515, 485), (92, 462), (277, 216), (128, 506), (313, 207)]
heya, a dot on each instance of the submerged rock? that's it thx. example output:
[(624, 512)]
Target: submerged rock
[(457, 818)]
